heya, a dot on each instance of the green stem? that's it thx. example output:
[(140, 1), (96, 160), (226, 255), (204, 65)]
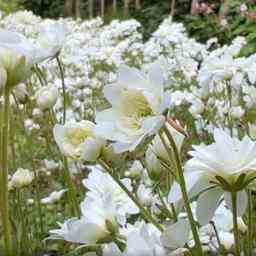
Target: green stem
[(229, 92), (145, 213), (74, 206), (169, 214), (182, 183), (235, 225), (71, 189), (4, 176), (216, 234), (63, 89), (250, 223), (37, 188)]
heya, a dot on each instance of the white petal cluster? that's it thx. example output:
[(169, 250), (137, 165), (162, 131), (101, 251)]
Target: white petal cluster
[(78, 140), (138, 101)]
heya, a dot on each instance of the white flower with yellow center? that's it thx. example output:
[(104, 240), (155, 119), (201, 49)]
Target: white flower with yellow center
[(138, 101), (228, 164), (77, 140)]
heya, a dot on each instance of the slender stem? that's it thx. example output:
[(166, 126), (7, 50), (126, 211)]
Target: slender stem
[(250, 223), (74, 206), (71, 189), (229, 93), (169, 214), (1, 124), (145, 213), (175, 217), (37, 188), (181, 179), (216, 233), (4, 176), (235, 225), (63, 89)]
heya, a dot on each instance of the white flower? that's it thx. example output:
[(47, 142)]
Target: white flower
[(145, 195), (46, 97), (226, 158), (226, 239), (51, 165), (176, 235), (54, 197), (21, 178), (243, 7), (37, 113), (78, 231), (223, 22), (237, 112), (52, 39), (98, 216), (157, 150), (136, 169), (101, 185), (144, 240), (16, 56), (78, 140), (111, 250), (196, 108), (138, 101)]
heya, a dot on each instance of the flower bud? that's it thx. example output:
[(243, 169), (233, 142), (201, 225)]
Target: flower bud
[(47, 97), (21, 93)]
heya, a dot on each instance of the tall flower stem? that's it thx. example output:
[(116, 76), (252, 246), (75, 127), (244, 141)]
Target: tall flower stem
[(63, 89), (235, 225), (37, 194), (74, 206), (174, 151), (67, 177), (4, 175), (145, 213), (250, 223)]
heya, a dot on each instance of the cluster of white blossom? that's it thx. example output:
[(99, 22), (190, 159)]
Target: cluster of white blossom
[(109, 97)]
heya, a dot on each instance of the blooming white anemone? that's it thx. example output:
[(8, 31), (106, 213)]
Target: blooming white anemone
[(98, 216), (77, 140), (138, 101), (217, 168), (101, 185)]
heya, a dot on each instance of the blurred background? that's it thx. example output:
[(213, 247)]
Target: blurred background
[(204, 19)]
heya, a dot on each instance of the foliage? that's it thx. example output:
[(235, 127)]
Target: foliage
[(45, 8), (9, 6)]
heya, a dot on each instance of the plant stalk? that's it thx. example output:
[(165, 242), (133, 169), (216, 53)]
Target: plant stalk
[(145, 213), (182, 183), (4, 175), (235, 224)]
